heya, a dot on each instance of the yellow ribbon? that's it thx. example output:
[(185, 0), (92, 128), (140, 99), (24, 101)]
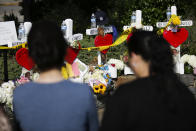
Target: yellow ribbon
[(23, 45), (175, 20), (119, 41)]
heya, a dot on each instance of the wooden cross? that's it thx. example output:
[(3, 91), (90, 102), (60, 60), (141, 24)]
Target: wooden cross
[(179, 67), (69, 32)]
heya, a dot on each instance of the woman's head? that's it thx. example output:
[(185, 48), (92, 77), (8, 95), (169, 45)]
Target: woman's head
[(5, 124), (149, 53), (47, 46)]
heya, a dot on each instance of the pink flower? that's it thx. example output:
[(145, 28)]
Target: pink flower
[(23, 80)]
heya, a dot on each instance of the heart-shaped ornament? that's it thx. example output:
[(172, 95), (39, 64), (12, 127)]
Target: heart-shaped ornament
[(72, 53), (176, 38), (129, 36), (23, 59), (103, 41)]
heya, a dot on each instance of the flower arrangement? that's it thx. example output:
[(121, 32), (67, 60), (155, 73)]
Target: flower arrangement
[(191, 60), (117, 63), (7, 88), (98, 78), (101, 88), (6, 93)]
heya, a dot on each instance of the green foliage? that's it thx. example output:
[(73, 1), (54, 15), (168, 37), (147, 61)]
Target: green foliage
[(152, 10), (14, 70), (119, 12), (11, 17)]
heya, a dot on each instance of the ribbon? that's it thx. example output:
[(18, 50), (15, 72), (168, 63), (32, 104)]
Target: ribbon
[(175, 20), (23, 45), (120, 40)]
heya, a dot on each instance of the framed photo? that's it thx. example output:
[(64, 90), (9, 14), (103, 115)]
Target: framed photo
[(83, 68)]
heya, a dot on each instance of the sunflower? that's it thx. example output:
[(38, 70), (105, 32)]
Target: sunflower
[(102, 88), (96, 89)]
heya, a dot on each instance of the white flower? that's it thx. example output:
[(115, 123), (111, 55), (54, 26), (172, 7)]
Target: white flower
[(11, 83), (96, 75), (5, 85), (119, 65), (6, 93), (192, 61), (185, 58), (35, 76), (2, 95)]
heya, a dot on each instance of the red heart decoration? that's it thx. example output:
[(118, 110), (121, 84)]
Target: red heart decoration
[(176, 38), (23, 59), (129, 36), (103, 41), (72, 53)]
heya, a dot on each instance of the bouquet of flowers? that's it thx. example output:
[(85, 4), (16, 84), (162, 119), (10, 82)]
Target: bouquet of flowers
[(98, 78), (7, 88), (6, 93), (191, 60)]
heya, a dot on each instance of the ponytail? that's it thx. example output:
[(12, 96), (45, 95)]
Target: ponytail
[(157, 52)]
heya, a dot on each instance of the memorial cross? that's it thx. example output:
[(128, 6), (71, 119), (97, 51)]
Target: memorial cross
[(179, 67), (137, 25), (69, 32)]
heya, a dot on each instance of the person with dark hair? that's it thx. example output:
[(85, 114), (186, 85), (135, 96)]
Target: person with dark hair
[(52, 103), (5, 124), (101, 17), (156, 100)]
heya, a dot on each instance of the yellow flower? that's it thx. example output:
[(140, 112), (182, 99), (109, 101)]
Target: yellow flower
[(96, 89), (64, 72), (175, 20), (102, 88)]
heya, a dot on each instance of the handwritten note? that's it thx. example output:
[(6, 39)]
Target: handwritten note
[(7, 32)]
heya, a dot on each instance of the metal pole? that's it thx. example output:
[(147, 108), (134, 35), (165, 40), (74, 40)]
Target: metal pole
[(5, 65)]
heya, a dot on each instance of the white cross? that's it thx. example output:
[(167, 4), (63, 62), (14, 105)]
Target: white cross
[(179, 67), (93, 31), (69, 32), (138, 23)]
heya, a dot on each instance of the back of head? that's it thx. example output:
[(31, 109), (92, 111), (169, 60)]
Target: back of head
[(47, 46), (153, 49), (157, 52), (4, 121)]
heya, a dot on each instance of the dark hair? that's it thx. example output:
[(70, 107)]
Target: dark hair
[(47, 46), (157, 52), (154, 49), (5, 124)]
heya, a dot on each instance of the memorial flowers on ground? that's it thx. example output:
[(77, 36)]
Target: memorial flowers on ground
[(7, 88), (191, 60), (6, 93)]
